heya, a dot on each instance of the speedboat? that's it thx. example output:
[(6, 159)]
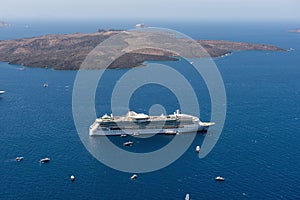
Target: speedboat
[(197, 149), (19, 158), (187, 197), (129, 143), (219, 178), (2, 92), (134, 176), (72, 178), (44, 160)]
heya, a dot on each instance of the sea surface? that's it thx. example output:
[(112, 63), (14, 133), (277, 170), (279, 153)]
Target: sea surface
[(258, 152)]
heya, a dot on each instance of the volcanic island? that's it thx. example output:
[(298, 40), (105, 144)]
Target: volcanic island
[(68, 51)]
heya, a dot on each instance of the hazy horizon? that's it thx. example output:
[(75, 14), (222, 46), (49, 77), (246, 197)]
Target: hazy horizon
[(229, 10)]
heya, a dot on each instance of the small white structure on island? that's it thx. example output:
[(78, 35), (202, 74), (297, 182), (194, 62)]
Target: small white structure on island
[(140, 25)]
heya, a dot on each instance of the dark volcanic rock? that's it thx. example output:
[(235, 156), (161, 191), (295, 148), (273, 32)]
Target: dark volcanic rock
[(136, 59), (56, 51), (65, 52)]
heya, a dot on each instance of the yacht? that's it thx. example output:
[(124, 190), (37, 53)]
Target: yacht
[(129, 143), (44, 160), (134, 176), (19, 158), (219, 178)]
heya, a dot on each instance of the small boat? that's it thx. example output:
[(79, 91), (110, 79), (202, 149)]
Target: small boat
[(187, 197), (44, 160), (129, 143), (170, 132), (123, 135), (22, 68), (197, 149), (2, 92), (72, 178), (134, 176), (219, 178), (19, 158), (45, 84)]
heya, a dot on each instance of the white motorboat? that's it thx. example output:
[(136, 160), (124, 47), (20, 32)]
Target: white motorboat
[(129, 143), (134, 176), (19, 158), (44, 160), (220, 178), (187, 197), (197, 149)]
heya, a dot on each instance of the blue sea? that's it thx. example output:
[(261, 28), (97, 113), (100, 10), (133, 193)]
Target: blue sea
[(258, 151)]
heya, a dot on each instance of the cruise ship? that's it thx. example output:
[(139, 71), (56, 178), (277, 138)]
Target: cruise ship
[(140, 124)]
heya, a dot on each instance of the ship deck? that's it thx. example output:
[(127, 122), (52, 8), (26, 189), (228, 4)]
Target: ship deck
[(163, 118)]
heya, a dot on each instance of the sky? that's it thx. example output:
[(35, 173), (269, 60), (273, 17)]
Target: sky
[(151, 9)]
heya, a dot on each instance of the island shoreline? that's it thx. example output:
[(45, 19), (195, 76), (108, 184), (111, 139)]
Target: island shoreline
[(68, 51)]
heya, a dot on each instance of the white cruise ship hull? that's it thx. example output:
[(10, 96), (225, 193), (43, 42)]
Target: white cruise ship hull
[(141, 124), (96, 130)]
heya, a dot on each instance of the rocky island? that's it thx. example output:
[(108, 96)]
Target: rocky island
[(68, 51), (295, 30)]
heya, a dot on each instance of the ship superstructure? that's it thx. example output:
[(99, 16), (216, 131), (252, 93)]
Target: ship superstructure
[(139, 123)]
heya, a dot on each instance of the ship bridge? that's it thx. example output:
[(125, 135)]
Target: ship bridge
[(137, 116)]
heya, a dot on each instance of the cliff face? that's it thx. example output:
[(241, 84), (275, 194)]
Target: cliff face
[(65, 52)]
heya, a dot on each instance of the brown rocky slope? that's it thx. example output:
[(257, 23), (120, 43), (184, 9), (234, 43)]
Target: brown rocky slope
[(67, 52)]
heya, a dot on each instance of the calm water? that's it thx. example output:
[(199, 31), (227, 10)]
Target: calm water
[(258, 152)]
